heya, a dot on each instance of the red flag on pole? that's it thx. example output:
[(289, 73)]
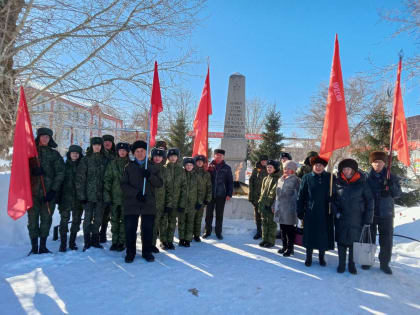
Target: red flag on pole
[(156, 106), (24, 148), (335, 134), (399, 140), (201, 121)]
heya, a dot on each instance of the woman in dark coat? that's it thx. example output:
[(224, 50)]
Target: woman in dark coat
[(136, 204), (354, 208), (313, 208)]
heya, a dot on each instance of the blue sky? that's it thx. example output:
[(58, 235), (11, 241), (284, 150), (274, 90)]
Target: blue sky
[(285, 48)]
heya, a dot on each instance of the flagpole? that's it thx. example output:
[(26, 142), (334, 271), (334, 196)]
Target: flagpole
[(147, 150)]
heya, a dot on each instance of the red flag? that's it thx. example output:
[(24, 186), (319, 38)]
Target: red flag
[(156, 106), (399, 140), (201, 121), (24, 148), (335, 134)]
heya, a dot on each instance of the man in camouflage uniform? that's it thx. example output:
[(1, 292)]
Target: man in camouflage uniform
[(113, 197), (158, 157), (255, 181), (174, 199), (89, 185), (193, 202), (206, 188), (50, 170), (306, 168), (111, 154), (69, 203)]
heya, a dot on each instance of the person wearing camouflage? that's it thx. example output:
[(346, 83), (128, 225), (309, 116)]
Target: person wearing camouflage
[(306, 168), (193, 202), (255, 181), (113, 195), (110, 154), (206, 188), (266, 203), (89, 187), (174, 199), (46, 172), (69, 203)]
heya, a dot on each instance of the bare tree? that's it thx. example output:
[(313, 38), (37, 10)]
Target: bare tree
[(256, 109), (95, 50)]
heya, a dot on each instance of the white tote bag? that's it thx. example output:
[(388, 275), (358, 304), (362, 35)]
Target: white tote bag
[(364, 253)]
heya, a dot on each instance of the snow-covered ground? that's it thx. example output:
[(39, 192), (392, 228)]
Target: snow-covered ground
[(233, 276)]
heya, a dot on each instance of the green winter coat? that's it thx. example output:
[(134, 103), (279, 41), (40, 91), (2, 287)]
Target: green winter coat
[(53, 166), (255, 182), (90, 177), (112, 179), (206, 183), (268, 191), (160, 191), (194, 192), (175, 188), (68, 195)]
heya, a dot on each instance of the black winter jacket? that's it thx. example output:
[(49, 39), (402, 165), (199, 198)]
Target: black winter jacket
[(221, 179)]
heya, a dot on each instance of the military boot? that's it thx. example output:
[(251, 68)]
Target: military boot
[(171, 246), (63, 244), (34, 243), (197, 238), (102, 238), (322, 261), (87, 241), (308, 261), (352, 265), (154, 249), (72, 241), (341, 259), (43, 246), (95, 241)]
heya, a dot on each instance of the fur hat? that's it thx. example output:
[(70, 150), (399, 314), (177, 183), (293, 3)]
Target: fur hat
[(348, 163), (274, 163), (158, 152), (308, 157), (45, 132), (220, 151), (108, 138), (161, 144), (123, 145), (286, 155), (200, 158), (75, 148), (173, 151), (317, 159), (292, 165), (377, 155), (188, 160), (139, 144), (96, 140), (263, 158)]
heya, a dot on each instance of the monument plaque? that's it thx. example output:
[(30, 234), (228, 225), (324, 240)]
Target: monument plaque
[(234, 142)]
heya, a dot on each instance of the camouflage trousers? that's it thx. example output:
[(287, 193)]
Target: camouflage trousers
[(117, 224), (156, 225), (186, 224), (93, 217), (167, 226), (76, 219), (257, 218), (269, 227), (39, 220), (198, 219)]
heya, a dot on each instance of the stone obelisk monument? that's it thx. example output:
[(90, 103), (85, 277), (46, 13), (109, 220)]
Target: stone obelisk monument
[(234, 141)]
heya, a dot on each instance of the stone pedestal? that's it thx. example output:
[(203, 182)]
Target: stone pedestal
[(234, 142)]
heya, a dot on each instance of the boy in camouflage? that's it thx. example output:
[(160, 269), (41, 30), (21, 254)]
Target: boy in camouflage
[(69, 203), (193, 202), (113, 197), (206, 188)]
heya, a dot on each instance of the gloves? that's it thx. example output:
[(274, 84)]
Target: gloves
[(181, 210), (168, 210), (205, 202), (38, 171), (146, 173), (198, 206), (140, 197), (49, 196)]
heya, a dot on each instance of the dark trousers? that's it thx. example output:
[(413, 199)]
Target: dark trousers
[(219, 204), (288, 235), (131, 223), (105, 219), (385, 226)]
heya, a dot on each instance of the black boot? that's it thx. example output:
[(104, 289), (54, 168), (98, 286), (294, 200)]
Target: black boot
[(148, 257), (187, 243), (95, 241), (63, 245), (257, 235), (121, 247), (164, 245), (352, 265), (43, 246), (88, 241), (262, 244), (102, 238), (34, 243), (72, 241), (385, 268), (342, 252), (308, 261), (181, 243), (219, 236), (197, 238), (290, 250), (154, 249), (171, 246), (206, 234), (114, 247), (322, 261)]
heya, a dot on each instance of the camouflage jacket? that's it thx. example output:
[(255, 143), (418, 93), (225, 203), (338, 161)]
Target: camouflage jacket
[(68, 195), (175, 188), (112, 179), (205, 182), (268, 191), (255, 182), (303, 170), (194, 193), (160, 191)]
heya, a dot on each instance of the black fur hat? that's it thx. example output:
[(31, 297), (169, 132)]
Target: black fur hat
[(139, 144), (173, 151), (188, 160), (123, 145), (348, 163), (221, 151), (274, 163), (200, 158), (45, 132), (108, 138), (317, 159), (286, 155), (158, 152)]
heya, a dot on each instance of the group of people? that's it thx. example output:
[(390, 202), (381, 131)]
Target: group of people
[(167, 191), (331, 209), (107, 185)]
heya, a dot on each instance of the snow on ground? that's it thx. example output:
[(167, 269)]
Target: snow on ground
[(233, 276)]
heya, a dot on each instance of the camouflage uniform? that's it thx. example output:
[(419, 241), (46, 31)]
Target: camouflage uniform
[(52, 171), (265, 204), (89, 185), (206, 188), (306, 168), (160, 201), (113, 196), (255, 182), (69, 203)]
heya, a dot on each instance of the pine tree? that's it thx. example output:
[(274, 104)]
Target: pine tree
[(178, 135), (271, 144)]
